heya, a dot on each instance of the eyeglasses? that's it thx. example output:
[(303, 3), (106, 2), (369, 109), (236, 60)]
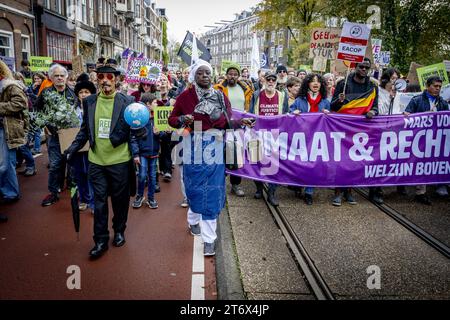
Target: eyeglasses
[(102, 76), (364, 67), (271, 80), (282, 71)]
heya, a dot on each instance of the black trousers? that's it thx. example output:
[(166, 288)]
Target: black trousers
[(235, 180), (110, 181), (165, 158)]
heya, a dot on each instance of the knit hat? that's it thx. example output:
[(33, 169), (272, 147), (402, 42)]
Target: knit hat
[(281, 68), (85, 85)]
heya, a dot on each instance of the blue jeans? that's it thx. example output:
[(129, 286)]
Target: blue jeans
[(35, 137), (9, 185), (56, 171), (147, 172), (25, 153)]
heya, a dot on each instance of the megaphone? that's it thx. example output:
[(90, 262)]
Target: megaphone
[(400, 85)]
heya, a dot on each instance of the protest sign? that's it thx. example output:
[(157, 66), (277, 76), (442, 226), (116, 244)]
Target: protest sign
[(185, 52), (77, 64), (437, 69), (173, 67), (10, 62), (385, 58), (353, 42), (324, 42), (40, 63), (143, 70), (336, 150), (376, 50), (412, 77), (161, 118), (445, 92), (401, 101), (319, 64)]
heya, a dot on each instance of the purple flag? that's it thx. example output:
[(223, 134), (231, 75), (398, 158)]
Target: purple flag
[(125, 53), (337, 150)]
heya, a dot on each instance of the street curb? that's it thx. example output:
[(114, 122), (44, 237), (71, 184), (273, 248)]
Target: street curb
[(228, 275)]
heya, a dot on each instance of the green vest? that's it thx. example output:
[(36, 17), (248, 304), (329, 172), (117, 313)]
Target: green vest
[(104, 154)]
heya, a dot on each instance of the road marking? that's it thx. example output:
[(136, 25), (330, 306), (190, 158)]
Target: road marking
[(198, 287), (198, 269)]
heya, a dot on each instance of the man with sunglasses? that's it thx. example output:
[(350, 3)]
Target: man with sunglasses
[(111, 169), (269, 102), (358, 83), (282, 78)]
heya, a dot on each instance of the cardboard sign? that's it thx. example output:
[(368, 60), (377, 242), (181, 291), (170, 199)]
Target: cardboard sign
[(77, 64), (161, 117), (319, 64), (40, 63), (437, 69), (353, 42), (143, 70), (324, 43), (412, 77)]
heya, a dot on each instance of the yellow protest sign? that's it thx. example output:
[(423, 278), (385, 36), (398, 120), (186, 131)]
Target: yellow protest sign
[(161, 118)]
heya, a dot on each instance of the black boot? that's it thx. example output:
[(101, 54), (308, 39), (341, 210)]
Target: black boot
[(98, 250), (272, 198)]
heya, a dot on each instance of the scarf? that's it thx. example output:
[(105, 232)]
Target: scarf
[(210, 102), (313, 102)]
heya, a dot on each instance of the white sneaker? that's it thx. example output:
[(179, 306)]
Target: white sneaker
[(442, 191)]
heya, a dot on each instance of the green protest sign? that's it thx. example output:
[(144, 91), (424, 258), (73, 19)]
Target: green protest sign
[(437, 69), (161, 117), (226, 64), (40, 63)]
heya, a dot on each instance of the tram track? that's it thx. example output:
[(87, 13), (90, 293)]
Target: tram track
[(313, 277), (415, 229)]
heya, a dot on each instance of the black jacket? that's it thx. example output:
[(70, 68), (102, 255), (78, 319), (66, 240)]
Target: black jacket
[(120, 131), (420, 103), (353, 91)]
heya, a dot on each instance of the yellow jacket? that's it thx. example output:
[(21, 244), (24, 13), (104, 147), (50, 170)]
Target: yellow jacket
[(248, 92)]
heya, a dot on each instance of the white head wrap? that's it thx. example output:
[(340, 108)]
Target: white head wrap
[(195, 67)]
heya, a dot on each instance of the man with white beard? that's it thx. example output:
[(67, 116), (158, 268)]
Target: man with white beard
[(282, 77)]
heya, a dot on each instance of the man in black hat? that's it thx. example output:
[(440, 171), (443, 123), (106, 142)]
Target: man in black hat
[(111, 170), (282, 78)]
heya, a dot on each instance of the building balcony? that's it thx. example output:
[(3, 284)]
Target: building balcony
[(121, 8), (109, 31)]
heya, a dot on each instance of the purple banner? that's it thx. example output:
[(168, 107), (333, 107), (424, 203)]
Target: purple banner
[(336, 150)]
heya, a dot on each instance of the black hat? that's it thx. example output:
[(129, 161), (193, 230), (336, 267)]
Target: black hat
[(270, 75), (109, 67), (281, 68), (233, 68), (85, 85), (83, 77)]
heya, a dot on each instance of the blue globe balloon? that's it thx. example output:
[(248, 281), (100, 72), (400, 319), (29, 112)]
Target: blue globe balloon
[(136, 115)]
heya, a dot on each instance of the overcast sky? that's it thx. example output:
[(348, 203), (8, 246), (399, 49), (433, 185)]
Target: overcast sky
[(193, 15)]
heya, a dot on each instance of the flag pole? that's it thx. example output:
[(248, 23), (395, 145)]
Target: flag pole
[(346, 77)]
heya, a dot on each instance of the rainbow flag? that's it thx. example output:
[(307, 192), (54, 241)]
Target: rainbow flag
[(360, 105)]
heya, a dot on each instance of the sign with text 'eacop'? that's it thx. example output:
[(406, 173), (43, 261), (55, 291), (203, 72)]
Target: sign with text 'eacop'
[(353, 42)]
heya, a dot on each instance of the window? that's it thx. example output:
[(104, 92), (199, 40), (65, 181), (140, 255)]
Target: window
[(91, 13), (6, 44), (59, 46), (83, 11), (58, 6), (25, 47), (47, 4)]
